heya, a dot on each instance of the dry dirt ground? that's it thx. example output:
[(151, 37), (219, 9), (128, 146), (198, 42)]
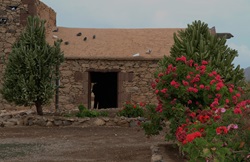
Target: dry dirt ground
[(83, 144)]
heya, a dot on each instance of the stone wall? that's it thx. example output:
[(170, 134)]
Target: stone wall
[(134, 79), (13, 16)]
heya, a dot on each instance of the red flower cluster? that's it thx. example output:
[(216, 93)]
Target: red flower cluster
[(221, 130), (159, 107), (170, 69), (174, 84), (192, 89), (164, 90), (182, 58), (219, 86), (190, 137), (203, 118), (181, 133), (185, 83)]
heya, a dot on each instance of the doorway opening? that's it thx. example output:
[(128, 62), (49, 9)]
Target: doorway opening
[(103, 90)]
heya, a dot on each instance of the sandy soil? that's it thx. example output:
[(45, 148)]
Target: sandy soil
[(69, 144)]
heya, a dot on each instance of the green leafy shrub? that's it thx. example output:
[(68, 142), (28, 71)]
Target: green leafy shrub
[(31, 67), (131, 110), (154, 123), (197, 43), (84, 112), (205, 113)]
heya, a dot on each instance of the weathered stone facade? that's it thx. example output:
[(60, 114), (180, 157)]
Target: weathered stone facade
[(134, 80), (13, 16)]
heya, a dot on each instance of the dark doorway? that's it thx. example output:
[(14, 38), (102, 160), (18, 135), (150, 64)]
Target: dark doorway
[(103, 89)]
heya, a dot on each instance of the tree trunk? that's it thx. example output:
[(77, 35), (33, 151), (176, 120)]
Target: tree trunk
[(39, 108)]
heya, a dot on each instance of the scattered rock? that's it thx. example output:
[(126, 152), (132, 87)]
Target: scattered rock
[(99, 122), (58, 122), (156, 158)]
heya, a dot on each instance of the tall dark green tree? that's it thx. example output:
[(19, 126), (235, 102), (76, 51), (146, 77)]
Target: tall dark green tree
[(196, 42), (29, 77)]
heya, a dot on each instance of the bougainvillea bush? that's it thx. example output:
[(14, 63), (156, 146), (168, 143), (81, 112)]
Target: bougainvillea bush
[(207, 116)]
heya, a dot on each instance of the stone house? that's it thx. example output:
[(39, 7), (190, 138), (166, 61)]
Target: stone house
[(122, 60)]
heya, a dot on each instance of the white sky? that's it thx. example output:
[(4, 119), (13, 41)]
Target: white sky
[(231, 16)]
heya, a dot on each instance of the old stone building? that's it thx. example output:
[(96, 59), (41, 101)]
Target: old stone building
[(123, 61)]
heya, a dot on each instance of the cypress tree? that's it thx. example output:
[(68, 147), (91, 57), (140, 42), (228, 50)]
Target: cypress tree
[(197, 43), (29, 77)]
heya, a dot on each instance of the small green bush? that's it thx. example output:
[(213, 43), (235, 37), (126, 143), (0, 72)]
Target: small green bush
[(84, 112), (131, 110)]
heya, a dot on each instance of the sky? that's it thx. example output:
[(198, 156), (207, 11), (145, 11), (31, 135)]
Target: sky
[(232, 16)]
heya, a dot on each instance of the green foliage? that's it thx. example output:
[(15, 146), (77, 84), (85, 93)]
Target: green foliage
[(184, 85), (131, 110), (199, 92), (84, 112), (153, 126), (230, 146), (30, 70), (205, 113), (197, 43)]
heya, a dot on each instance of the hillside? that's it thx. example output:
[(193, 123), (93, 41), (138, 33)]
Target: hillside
[(247, 73)]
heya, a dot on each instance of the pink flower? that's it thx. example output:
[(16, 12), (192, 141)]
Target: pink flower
[(230, 90), (232, 126), (238, 95), (182, 58), (192, 114), (153, 85), (202, 86), (189, 102), (159, 107), (218, 95), (237, 111), (219, 86), (185, 83), (220, 110), (190, 62), (156, 91), (188, 77), (174, 84), (218, 78), (160, 74), (204, 62), (192, 89), (207, 88), (212, 82), (164, 90)]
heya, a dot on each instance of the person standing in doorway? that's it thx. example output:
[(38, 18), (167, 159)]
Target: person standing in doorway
[(97, 92)]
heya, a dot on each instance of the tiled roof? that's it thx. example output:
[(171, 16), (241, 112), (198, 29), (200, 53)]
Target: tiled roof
[(115, 44)]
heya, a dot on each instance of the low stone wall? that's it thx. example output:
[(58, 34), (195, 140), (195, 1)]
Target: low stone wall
[(29, 118)]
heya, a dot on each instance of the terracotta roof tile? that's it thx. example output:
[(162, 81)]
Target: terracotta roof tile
[(115, 43)]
